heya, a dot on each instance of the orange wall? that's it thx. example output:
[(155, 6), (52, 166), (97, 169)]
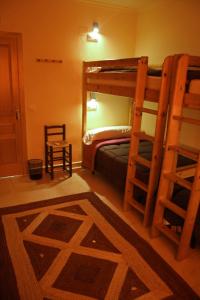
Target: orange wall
[(56, 29), (111, 110), (169, 27)]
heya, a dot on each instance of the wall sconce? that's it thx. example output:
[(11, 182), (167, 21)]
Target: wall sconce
[(92, 104), (93, 36)]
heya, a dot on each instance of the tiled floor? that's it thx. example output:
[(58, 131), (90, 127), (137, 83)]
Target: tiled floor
[(19, 190)]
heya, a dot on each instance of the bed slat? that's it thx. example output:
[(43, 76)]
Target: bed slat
[(191, 101), (172, 206), (194, 61), (125, 62), (118, 76)]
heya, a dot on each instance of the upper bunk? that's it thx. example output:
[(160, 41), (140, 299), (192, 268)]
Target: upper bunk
[(188, 75), (185, 102), (118, 77), (128, 77)]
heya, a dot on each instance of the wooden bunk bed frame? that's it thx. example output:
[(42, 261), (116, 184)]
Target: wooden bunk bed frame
[(170, 173), (154, 165), (137, 85), (118, 82)]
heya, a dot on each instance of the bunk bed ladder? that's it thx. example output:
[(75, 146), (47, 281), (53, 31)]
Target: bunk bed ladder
[(157, 141), (172, 174)]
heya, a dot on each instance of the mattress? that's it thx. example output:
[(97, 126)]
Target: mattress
[(112, 160), (90, 150)]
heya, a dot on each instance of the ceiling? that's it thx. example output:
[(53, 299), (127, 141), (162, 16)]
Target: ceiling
[(135, 4)]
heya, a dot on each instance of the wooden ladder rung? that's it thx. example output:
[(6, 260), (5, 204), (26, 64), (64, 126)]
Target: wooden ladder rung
[(168, 232), (135, 204), (187, 120), (176, 179), (186, 171), (143, 136), (173, 207), (142, 161), (139, 183), (191, 101), (147, 110), (190, 153)]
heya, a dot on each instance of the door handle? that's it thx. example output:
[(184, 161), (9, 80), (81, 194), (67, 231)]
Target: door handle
[(17, 114)]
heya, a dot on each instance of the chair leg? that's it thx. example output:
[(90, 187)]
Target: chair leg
[(46, 158), (70, 160), (51, 162), (64, 159)]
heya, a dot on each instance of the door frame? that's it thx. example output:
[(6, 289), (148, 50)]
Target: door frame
[(18, 39)]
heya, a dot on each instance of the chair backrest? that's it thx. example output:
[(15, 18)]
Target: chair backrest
[(54, 132)]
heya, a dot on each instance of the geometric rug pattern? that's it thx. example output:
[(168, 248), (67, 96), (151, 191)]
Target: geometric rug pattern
[(76, 247)]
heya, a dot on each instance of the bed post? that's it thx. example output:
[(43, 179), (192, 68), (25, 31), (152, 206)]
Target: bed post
[(171, 174), (84, 99)]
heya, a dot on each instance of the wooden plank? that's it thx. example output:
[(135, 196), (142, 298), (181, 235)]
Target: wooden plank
[(173, 207), (169, 233), (194, 61), (185, 151), (118, 76), (125, 62), (192, 210), (191, 100), (187, 120), (126, 91), (143, 136), (151, 95), (139, 183), (138, 206), (159, 138), (186, 171), (147, 110), (111, 90), (136, 125), (176, 179), (84, 101), (180, 99), (142, 161), (178, 79)]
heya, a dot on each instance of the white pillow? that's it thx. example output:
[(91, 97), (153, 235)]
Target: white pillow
[(108, 132)]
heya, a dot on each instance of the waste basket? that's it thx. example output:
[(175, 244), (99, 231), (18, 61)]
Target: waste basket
[(35, 168)]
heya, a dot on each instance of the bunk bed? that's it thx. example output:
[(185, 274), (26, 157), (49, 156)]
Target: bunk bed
[(115, 77), (177, 212), (131, 78)]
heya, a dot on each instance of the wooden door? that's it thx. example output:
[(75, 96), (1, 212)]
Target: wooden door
[(12, 123)]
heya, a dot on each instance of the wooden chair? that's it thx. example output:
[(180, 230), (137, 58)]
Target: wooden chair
[(57, 149)]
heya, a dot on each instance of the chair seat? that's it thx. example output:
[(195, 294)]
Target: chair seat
[(57, 144)]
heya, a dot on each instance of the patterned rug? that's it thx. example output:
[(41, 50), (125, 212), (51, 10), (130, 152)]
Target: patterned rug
[(76, 247)]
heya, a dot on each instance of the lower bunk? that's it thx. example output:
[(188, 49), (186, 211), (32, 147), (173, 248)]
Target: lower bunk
[(109, 158), (174, 222), (112, 160)]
